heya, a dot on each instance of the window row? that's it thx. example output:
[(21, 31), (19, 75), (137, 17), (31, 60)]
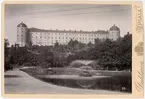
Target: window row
[(64, 37), (69, 34)]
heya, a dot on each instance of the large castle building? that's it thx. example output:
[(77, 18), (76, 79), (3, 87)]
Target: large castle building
[(41, 37)]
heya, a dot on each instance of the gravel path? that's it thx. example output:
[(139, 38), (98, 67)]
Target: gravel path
[(17, 82)]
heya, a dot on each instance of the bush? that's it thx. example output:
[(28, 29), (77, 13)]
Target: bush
[(76, 64)]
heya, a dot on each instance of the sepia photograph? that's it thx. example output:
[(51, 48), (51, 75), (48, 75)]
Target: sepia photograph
[(68, 49)]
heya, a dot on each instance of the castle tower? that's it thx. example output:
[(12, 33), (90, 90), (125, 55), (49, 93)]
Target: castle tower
[(114, 33), (21, 34)]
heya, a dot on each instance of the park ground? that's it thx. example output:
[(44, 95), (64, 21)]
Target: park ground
[(19, 82)]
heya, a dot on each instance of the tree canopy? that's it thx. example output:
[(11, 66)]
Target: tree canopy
[(108, 54)]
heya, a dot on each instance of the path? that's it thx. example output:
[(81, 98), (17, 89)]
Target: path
[(17, 81)]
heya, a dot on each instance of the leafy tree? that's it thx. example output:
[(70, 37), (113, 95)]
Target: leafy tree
[(6, 55), (71, 58), (56, 44), (116, 54), (106, 54), (71, 43), (97, 41), (126, 55), (6, 44)]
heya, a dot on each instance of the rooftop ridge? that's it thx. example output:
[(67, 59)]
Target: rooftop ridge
[(33, 29)]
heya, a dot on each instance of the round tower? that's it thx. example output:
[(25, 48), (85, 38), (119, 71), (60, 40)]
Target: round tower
[(21, 34), (114, 33)]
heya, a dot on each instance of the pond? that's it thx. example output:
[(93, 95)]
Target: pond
[(107, 80)]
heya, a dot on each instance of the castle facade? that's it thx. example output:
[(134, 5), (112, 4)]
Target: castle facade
[(41, 37)]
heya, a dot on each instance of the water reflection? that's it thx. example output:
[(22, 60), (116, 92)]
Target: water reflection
[(108, 80)]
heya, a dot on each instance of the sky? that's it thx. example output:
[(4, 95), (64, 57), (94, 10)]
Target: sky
[(87, 17)]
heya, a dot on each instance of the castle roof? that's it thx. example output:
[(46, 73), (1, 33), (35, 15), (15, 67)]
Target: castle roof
[(114, 27), (21, 25), (67, 31)]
